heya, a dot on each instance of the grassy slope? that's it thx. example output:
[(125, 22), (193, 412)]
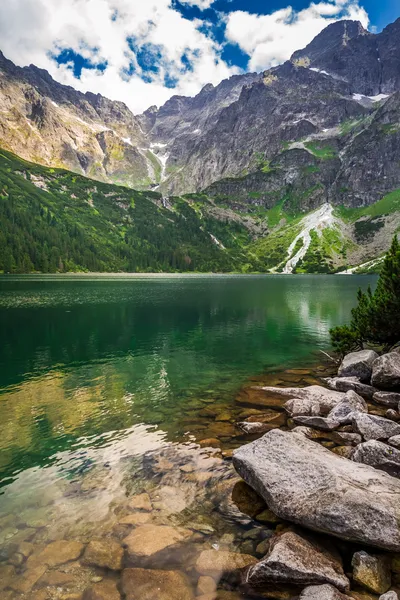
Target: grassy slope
[(73, 223)]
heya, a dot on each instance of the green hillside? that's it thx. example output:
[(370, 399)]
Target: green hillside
[(53, 221)]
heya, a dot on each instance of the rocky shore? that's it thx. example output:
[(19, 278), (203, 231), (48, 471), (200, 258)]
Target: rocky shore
[(349, 492), (292, 493)]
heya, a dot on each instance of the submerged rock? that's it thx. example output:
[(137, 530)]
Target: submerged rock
[(372, 427), (151, 584), (106, 590), (378, 455), (322, 592), (386, 371), (147, 540), (372, 572), (106, 554), (296, 560), (351, 403), (247, 500), (57, 553), (217, 562), (305, 483), (358, 364)]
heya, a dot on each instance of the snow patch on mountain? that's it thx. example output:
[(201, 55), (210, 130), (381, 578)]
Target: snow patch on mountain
[(317, 220)]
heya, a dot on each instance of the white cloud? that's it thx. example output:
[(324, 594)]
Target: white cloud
[(98, 29), (30, 29), (272, 39)]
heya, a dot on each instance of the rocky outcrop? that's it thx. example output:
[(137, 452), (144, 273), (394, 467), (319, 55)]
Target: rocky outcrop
[(391, 399), (322, 592), (344, 384), (386, 371), (358, 364), (372, 572), (378, 455), (343, 412), (297, 560), (372, 427), (309, 485), (314, 400)]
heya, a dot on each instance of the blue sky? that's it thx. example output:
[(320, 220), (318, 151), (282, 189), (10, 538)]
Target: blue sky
[(144, 51)]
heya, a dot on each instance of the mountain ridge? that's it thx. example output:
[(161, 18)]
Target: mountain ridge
[(301, 160)]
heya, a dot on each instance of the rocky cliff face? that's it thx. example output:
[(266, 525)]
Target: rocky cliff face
[(55, 125)]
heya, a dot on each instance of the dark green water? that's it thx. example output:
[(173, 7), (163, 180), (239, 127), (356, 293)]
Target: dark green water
[(113, 389), (81, 357)]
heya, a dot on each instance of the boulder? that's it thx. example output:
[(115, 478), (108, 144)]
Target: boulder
[(372, 427), (322, 592), (296, 560), (147, 540), (343, 411), (378, 455), (372, 572), (149, 584), (105, 553), (303, 482), (324, 423), (311, 400), (389, 596), (345, 384), (386, 371), (391, 399), (358, 364), (216, 562), (394, 441)]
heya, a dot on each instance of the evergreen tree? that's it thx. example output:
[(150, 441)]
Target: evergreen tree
[(376, 318)]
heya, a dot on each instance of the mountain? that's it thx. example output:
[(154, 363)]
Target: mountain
[(292, 170)]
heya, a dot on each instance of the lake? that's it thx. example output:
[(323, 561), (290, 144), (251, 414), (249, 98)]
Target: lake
[(109, 383)]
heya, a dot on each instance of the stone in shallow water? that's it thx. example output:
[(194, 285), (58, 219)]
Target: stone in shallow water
[(205, 585), (57, 553), (217, 562), (105, 553), (372, 427), (106, 590), (25, 582), (305, 483), (358, 364), (210, 443), (313, 400), (135, 519), (150, 539), (372, 572), (140, 502), (150, 584), (247, 500), (254, 427), (386, 371), (378, 455), (7, 573), (296, 560), (322, 592)]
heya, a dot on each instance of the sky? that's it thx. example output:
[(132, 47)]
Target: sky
[(142, 52)]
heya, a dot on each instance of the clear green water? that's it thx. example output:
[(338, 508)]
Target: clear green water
[(90, 355), (106, 386)]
